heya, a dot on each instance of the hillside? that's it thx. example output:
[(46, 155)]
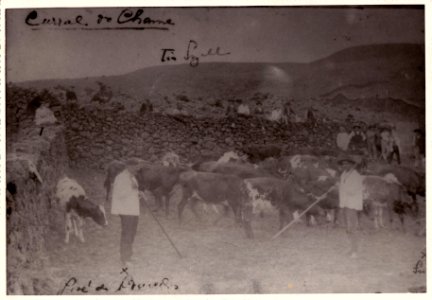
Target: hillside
[(360, 74)]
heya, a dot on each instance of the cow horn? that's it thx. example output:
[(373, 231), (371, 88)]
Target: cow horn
[(282, 171), (35, 172)]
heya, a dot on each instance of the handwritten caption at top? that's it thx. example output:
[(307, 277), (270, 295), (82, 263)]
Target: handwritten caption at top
[(193, 53), (127, 19)]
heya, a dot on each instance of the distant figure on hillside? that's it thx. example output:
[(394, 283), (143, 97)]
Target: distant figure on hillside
[(419, 147), (394, 145), (231, 114), (230, 111), (343, 139), (259, 111), (180, 110), (357, 140), (146, 107), (259, 114), (288, 113), (243, 109), (276, 115), (371, 135), (386, 144), (378, 144), (349, 119), (310, 117)]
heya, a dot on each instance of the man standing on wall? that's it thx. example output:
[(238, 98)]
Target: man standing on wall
[(125, 202), (351, 200)]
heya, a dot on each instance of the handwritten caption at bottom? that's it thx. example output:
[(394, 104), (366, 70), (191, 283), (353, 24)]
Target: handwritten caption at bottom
[(126, 284)]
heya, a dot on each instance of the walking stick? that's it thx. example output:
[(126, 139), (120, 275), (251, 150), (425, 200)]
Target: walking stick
[(163, 230), (322, 197)]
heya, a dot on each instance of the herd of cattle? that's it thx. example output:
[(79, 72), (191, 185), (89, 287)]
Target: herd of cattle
[(287, 184)]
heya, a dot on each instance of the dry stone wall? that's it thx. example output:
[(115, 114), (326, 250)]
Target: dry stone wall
[(95, 137), (34, 164)]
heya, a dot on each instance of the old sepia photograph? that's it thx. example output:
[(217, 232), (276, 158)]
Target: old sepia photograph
[(215, 150)]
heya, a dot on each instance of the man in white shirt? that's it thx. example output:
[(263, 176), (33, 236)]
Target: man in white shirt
[(44, 117), (125, 202), (351, 200)]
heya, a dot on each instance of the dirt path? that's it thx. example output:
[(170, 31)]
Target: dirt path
[(219, 259)]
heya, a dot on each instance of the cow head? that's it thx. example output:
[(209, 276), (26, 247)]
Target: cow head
[(406, 203), (260, 199), (86, 208), (230, 156), (100, 216), (285, 172)]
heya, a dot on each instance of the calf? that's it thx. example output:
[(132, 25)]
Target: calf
[(76, 206), (384, 192), (257, 153), (214, 188)]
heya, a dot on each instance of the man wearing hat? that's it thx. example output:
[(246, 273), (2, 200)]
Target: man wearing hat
[(371, 134), (351, 199), (125, 202), (357, 138), (343, 139)]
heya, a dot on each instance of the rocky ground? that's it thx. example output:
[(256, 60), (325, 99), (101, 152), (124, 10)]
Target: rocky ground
[(219, 259)]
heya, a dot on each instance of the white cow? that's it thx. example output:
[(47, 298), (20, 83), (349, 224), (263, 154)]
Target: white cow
[(74, 202)]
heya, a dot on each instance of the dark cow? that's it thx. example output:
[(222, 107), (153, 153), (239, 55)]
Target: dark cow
[(413, 181), (216, 189), (313, 174), (308, 168), (160, 180), (329, 203), (385, 192), (243, 170), (257, 153), (156, 178), (74, 202), (284, 195)]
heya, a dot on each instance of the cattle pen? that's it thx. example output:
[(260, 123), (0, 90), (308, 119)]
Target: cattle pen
[(215, 150)]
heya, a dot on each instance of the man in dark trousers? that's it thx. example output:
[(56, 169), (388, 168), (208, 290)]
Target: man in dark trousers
[(351, 200), (125, 202)]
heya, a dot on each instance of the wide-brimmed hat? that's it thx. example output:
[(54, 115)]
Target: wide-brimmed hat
[(345, 158), (135, 162), (418, 130)]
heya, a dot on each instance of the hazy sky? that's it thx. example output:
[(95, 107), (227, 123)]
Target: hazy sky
[(283, 34)]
